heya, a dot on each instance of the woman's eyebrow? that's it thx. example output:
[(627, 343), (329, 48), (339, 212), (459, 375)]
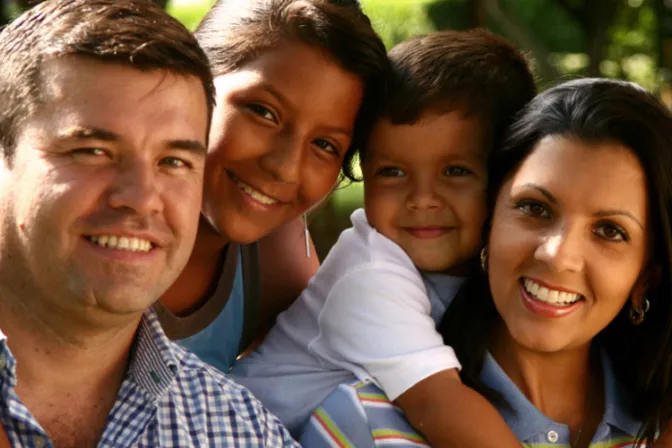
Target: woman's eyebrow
[(601, 214), (627, 214), (547, 194)]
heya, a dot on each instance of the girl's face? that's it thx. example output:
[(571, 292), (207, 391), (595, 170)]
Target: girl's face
[(280, 130), (569, 241)]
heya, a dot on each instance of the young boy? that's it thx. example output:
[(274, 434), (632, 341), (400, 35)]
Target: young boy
[(371, 311)]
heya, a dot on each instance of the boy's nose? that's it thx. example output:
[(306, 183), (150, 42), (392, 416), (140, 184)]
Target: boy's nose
[(423, 197)]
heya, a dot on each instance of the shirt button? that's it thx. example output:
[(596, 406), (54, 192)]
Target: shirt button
[(552, 436)]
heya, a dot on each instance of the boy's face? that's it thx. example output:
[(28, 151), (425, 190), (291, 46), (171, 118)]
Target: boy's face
[(424, 188)]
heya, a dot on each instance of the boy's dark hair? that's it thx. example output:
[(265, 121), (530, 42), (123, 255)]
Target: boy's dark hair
[(233, 33), (593, 111), (137, 33), (475, 72)]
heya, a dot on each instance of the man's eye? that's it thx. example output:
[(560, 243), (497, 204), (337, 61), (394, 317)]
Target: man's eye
[(263, 112), (89, 152), (174, 162), (457, 171), (391, 171)]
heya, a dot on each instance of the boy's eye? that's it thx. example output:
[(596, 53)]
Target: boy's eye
[(457, 171), (533, 208), (611, 232), (391, 171), (263, 112)]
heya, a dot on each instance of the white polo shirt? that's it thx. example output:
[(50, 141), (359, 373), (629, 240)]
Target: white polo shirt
[(368, 314)]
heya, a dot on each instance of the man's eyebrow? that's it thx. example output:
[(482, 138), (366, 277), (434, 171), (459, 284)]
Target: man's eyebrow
[(84, 133), (188, 145)]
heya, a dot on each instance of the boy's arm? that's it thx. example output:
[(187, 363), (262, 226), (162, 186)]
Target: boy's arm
[(449, 414)]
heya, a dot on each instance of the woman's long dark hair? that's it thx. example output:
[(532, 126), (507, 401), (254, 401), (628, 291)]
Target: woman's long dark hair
[(593, 111)]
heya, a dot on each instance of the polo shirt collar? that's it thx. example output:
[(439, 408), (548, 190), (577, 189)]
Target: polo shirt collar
[(526, 421)]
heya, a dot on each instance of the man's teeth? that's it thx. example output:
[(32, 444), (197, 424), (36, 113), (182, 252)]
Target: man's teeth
[(122, 243), (256, 195), (549, 295)]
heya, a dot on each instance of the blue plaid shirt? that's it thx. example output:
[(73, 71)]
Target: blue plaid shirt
[(169, 398)]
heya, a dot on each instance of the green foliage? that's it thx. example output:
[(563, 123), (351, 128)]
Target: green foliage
[(398, 20), (189, 12)]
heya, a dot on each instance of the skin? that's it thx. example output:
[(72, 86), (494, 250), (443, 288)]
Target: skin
[(282, 125), (429, 200), (442, 186), (112, 151), (546, 227)]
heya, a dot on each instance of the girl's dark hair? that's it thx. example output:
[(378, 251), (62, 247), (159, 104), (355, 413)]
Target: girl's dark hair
[(234, 32), (593, 111)]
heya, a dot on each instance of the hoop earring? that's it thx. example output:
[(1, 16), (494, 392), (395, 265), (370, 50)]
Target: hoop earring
[(306, 235), (637, 314), (484, 259)]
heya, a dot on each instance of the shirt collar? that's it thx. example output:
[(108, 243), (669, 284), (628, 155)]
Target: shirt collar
[(526, 421), (7, 362), (154, 363)]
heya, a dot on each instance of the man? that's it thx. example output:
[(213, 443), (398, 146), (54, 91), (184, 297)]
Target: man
[(103, 122)]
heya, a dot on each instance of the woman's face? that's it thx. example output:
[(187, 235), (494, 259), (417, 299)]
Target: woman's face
[(568, 243), (280, 131)]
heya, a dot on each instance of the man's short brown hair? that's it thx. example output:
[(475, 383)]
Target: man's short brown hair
[(137, 33), (475, 72)]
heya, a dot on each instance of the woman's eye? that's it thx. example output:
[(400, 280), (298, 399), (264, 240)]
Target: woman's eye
[(326, 145), (534, 209), (611, 232), (390, 171), (457, 171), (263, 112), (173, 162)]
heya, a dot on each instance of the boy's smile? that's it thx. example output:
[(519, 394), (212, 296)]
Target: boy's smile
[(425, 188)]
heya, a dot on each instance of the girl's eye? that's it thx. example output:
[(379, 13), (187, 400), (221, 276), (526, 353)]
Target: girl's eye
[(533, 208), (457, 171), (390, 171), (326, 145), (263, 112), (611, 232), (174, 162)]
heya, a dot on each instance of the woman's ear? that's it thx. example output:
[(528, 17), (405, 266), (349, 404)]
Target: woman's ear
[(648, 279)]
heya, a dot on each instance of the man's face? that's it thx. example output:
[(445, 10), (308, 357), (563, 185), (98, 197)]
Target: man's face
[(100, 203)]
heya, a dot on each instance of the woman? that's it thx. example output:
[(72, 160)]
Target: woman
[(569, 334), (296, 83)]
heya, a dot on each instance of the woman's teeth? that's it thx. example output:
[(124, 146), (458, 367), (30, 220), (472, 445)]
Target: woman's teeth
[(551, 296), (256, 195), (121, 243)]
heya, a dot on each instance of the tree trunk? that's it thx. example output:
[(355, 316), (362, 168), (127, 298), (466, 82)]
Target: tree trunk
[(522, 37)]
